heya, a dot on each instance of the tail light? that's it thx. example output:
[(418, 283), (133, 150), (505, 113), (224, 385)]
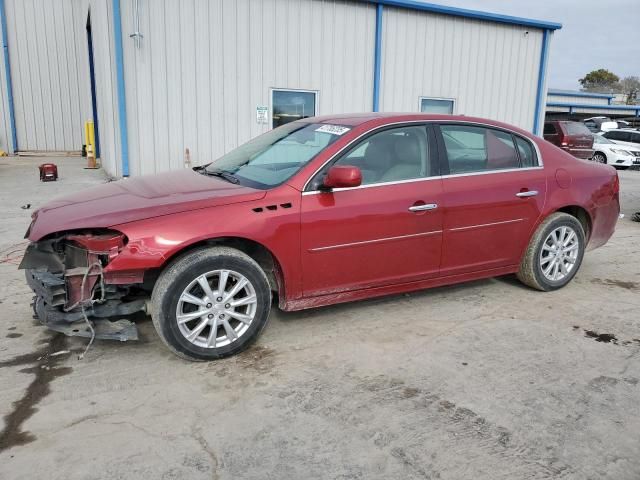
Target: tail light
[(616, 184)]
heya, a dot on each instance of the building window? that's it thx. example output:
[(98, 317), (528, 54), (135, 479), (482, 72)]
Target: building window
[(436, 105), (291, 105)]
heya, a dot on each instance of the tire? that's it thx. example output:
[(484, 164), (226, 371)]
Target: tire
[(540, 254), (181, 284), (599, 157), (618, 167)]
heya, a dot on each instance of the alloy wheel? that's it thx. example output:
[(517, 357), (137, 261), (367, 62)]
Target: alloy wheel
[(559, 253), (216, 308)]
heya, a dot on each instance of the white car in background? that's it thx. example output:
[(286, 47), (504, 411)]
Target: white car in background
[(606, 151), (600, 124)]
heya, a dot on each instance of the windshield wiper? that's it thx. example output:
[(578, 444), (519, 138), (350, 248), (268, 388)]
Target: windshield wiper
[(229, 177)]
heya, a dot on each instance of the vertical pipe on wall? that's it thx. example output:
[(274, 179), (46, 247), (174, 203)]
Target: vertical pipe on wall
[(377, 59), (7, 73), (542, 72), (122, 100)]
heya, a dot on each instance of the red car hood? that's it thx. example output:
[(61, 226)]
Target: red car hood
[(136, 199)]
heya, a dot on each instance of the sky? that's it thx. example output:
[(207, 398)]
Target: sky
[(595, 34)]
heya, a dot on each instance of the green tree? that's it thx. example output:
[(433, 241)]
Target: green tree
[(600, 80)]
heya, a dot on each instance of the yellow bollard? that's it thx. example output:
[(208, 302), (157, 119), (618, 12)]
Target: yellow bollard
[(89, 140)]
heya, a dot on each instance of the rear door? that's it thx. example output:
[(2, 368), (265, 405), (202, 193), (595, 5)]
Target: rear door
[(493, 193)]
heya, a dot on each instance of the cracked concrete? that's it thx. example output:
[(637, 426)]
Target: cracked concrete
[(486, 380)]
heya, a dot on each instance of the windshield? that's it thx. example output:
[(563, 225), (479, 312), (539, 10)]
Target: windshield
[(273, 158), (601, 139)]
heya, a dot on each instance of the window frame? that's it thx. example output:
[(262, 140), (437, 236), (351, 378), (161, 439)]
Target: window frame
[(444, 158), (434, 157), (316, 94), (453, 101), (434, 125)]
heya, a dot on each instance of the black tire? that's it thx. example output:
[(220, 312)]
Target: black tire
[(175, 278), (599, 157), (530, 272)]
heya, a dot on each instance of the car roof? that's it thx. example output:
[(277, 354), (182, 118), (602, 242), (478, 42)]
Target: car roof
[(381, 118)]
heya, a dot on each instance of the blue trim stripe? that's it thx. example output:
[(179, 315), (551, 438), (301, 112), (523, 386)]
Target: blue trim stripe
[(122, 100), (567, 93), (377, 59), (463, 12), (542, 72), (630, 108), (7, 73)]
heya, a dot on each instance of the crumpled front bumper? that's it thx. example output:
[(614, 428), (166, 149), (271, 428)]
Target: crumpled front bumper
[(51, 296)]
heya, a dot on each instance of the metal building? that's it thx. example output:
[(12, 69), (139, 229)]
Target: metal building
[(568, 104), (163, 76)]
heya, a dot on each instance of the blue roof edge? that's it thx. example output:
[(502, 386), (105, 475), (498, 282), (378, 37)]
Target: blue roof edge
[(594, 107), (464, 12), (566, 93)]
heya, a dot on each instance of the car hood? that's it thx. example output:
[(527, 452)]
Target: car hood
[(137, 198)]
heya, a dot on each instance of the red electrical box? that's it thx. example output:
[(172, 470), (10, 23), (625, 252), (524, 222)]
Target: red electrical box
[(48, 172)]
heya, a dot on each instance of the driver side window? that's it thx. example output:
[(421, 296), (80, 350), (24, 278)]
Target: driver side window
[(391, 155)]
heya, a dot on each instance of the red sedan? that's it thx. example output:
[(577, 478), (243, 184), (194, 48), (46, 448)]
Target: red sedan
[(316, 212)]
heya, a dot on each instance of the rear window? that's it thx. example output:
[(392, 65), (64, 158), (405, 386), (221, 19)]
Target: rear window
[(575, 128), (549, 129), (527, 155)]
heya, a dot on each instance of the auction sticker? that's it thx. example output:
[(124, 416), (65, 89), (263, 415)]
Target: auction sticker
[(333, 129)]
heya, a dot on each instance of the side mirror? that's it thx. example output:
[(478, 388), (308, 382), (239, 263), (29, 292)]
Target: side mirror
[(342, 176)]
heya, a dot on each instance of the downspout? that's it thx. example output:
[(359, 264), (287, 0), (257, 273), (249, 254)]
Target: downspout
[(7, 73), (542, 72), (122, 99), (377, 59)]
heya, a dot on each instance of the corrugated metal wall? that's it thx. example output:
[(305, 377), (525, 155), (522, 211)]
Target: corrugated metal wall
[(203, 67), (5, 123), (491, 70), (105, 73), (49, 69)]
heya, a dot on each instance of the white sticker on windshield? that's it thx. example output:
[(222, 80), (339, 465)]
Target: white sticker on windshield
[(333, 129)]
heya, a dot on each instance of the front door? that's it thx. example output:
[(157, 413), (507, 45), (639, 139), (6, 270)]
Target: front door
[(388, 230), (493, 196)]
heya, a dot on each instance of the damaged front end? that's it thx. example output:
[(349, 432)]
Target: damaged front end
[(75, 294)]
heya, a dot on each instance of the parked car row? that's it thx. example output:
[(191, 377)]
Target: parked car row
[(604, 124), (619, 147)]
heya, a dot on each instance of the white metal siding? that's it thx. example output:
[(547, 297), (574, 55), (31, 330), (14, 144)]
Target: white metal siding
[(490, 69), (554, 98), (5, 122), (50, 73), (106, 91), (204, 66)]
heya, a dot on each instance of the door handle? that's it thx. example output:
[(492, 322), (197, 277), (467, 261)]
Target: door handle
[(528, 193), (421, 208)]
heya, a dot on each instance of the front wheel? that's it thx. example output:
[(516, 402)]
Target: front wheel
[(599, 157), (211, 303), (554, 254)]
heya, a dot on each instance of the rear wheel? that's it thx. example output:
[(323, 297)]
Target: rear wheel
[(554, 254), (211, 303), (599, 157)]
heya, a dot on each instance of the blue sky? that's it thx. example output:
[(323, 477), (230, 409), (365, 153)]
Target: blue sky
[(595, 34)]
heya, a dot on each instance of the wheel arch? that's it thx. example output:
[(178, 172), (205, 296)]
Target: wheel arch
[(257, 251), (583, 216)]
